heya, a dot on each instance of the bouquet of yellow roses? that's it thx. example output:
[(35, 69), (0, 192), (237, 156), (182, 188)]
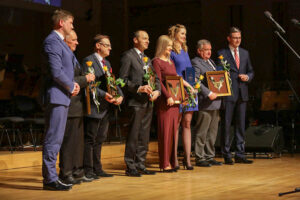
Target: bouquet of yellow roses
[(112, 83), (92, 87), (149, 75)]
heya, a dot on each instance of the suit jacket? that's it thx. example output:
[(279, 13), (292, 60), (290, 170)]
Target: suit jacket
[(240, 88), (76, 106), (201, 67), (133, 74), (102, 88), (60, 63)]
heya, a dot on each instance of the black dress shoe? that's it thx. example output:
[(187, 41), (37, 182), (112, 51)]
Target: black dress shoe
[(228, 161), (214, 162), (57, 185), (84, 179), (70, 180), (92, 176), (132, 173), (168, 170), (103, 174), (146, 172), (243, 160), (203, 163)]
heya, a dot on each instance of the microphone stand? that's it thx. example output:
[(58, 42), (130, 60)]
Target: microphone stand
[(298, 100)]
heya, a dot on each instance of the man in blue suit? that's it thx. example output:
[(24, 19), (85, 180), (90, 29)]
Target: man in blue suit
[(60, 87), (241, 73)]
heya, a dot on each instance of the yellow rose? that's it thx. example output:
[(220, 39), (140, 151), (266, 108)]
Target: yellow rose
[(89, 63), (197, 86), (221, 57), (145, 59), (105, 68), (201, 77)]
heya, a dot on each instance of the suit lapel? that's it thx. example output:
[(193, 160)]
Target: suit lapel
[(229, 55), (137, 57), (67, 48), (207, 65), (98, 65)]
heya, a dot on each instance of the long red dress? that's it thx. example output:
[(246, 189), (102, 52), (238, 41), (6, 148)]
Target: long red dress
[(167, 116)]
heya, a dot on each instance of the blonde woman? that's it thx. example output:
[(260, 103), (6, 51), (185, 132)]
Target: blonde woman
[(167, 111), (181, 59)]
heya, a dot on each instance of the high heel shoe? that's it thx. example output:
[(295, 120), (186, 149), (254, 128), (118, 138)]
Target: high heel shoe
[(177, 167), (185, 165)]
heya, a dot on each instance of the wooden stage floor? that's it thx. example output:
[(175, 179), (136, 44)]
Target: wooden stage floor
[(20, 178)]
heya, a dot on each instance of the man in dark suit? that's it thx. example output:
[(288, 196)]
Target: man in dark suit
[(60, 66), (71, 151), (241, 73), (209, 105), (96, 124), (140, 95)]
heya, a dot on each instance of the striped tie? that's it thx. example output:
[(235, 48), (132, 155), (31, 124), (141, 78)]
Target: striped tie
[(237, 59)]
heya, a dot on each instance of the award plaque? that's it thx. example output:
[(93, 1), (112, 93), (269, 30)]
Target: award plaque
[(218, 83), (175, 88)]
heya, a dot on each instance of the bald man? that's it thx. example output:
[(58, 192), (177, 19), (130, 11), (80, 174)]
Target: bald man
[(71, 152)]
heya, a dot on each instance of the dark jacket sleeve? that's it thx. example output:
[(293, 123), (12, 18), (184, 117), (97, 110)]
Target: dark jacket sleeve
[(124, 73)]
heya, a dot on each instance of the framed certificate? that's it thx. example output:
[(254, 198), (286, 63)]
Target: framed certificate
[(218, 82), (175, 88)]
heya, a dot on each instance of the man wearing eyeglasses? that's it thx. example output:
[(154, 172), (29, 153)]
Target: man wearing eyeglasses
[(96, 124), (241, 73)]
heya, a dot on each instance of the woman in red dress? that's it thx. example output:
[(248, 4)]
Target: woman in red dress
[(167, 111)]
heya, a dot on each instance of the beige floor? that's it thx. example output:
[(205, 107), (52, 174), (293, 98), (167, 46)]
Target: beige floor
[(262, 180)]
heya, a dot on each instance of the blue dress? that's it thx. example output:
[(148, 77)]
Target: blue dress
[(182, 61)]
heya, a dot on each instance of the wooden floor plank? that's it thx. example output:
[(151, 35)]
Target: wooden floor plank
[(262, 180)]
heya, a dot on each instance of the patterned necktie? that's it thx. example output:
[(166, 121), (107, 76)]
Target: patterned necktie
[(237, 59)]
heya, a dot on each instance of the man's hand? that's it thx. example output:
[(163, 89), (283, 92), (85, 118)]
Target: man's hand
[(145, 89), (118, 101), (170, 101), (244, 77), (212, 96), (76, 89), (109, 98), (90, 77), (155, 94)]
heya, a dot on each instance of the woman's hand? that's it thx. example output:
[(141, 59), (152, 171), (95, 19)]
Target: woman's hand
[(170, 101)]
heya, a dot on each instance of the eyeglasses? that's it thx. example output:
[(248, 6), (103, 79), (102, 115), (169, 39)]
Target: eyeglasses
[(105, 45)]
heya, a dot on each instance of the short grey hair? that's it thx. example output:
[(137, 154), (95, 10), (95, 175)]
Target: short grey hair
[(202, 42), (234, 30)]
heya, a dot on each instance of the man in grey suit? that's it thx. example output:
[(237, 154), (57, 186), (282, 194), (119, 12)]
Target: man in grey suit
[(209, 105), (140, 95)]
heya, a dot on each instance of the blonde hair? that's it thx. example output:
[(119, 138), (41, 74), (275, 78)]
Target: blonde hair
[(61, 15), (172, 32), (161, 45)]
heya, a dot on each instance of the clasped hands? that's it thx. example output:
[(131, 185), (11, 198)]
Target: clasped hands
[(110, 99), (244, 77), (153, 95)]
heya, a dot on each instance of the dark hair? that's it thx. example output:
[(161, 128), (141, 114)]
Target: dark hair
[(98, 38), (136, 34), (234, 30)]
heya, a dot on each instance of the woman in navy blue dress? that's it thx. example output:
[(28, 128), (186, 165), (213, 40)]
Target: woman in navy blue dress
[(181, 59)]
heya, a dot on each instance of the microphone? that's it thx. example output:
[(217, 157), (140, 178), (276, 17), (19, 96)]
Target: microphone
[(296, 22), (269, 16)]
